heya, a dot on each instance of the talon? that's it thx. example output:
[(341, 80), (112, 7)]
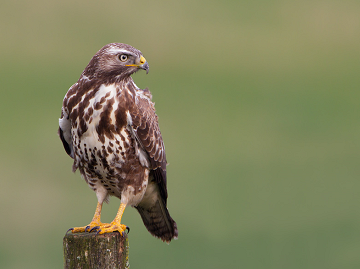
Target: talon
[(113, 227), (71, 229), (100, 228), (94, 228)]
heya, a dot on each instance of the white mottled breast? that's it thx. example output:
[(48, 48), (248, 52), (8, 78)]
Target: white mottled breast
[(88, 149), (90, 137)]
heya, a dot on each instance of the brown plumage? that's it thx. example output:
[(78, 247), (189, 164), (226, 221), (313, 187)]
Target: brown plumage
[(109, 127)]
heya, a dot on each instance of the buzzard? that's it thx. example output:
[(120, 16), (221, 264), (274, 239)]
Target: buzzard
[(109, 127)]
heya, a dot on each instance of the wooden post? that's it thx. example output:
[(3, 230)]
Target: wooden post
[(91, 250)]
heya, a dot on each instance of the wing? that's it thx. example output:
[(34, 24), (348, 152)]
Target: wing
[(152, 208), (147, 133), (65, 133)]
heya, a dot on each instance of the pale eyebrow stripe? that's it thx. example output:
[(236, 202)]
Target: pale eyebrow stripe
[(116, 51)]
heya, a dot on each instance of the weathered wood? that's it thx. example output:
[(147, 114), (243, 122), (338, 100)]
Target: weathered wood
[(89, 250)]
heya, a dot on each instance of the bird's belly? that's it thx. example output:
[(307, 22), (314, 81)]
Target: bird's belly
[(112, 165)]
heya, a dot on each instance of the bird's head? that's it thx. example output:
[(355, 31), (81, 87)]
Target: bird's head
[(116, 61)]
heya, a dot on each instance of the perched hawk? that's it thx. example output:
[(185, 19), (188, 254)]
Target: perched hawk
[(109, 127)]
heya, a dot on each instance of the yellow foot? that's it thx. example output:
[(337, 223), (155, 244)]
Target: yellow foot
[(93, 226), (113, 227)]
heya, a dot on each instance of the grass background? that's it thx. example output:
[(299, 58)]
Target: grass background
[(258, 103)]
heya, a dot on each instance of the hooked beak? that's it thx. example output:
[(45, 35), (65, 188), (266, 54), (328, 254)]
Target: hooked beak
[(142, 64), (145, 66)]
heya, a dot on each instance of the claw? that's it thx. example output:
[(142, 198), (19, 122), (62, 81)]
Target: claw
[(128, 229), (94, 229), (71, 229), (87, 228)]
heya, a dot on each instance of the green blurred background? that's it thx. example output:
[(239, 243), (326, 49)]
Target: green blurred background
[(258, 103)]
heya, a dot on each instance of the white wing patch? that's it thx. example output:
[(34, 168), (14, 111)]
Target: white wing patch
[(65, 126)]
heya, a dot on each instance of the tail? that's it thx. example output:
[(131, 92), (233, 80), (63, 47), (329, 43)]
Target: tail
[(156, 216)]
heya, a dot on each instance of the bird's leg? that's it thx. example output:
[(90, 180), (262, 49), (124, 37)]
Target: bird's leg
[(115, 225), (95, 224)]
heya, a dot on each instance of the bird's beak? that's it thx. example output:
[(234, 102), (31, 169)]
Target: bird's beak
[(145, 66), (142, 64)]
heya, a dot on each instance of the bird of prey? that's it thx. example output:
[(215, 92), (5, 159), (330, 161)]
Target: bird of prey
[(109, 127)]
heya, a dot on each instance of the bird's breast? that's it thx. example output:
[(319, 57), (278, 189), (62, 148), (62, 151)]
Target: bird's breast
[(104, 146)]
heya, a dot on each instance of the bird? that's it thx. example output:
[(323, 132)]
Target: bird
[(110, 129)]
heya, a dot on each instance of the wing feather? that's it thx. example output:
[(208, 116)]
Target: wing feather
[(147, 132), (64, 133)]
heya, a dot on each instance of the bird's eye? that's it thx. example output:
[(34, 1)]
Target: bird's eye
[(123, 57)]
